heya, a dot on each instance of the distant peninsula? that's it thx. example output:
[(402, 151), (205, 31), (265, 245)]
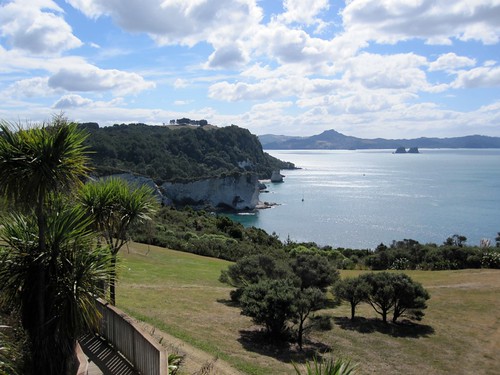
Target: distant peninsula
[(333, 140)]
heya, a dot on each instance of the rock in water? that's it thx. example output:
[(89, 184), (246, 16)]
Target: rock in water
[(277, 177)]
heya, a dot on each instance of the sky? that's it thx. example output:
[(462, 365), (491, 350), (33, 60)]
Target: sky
[(366, 68)]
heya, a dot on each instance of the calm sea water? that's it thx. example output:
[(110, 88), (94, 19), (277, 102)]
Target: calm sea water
[(359, 199)]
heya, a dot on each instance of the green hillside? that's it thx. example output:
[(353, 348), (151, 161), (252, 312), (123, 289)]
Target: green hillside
[(179, 293), (167, 153)]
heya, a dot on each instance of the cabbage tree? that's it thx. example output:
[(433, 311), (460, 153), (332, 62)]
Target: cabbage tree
[(113, 206), (37, 163)]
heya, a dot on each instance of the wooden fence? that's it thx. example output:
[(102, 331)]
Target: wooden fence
[(147, 355)]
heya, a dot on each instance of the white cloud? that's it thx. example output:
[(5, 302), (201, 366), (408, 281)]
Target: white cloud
[(91, 8), (368, 81), (36, 26), (305, 12), (231, 56), (178, 21), (271, 88), (272, 106), (450, 62), (90, 78), (488, 76), (16, 60), (437, 22), (30, 88), (293, 46), (180, 83), (398, 71), (231, 92), (71, 101), (182, 102)]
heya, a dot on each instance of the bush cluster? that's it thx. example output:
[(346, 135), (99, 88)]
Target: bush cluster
[(281, 293), (386, 292), (216, 235), (410, 254)]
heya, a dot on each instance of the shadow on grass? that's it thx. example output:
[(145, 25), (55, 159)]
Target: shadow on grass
[(257, 341), (402, 329), (228, 302)]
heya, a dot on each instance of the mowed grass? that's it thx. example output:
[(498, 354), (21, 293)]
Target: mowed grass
[(180, 294)]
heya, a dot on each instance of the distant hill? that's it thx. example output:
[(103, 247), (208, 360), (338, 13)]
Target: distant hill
[(178, 153), (333, 140)]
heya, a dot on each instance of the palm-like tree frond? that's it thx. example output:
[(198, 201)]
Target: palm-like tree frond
[(326, 367), (36, 161)]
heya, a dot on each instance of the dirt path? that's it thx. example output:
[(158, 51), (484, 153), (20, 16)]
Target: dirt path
[(196, 362)]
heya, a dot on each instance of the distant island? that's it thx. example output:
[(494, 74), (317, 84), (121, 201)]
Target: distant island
[(333, 140)]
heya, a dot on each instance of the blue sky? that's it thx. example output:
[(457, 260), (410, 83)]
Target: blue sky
[(367, 68)]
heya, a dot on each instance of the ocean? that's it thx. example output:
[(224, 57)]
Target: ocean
[(359, 199)]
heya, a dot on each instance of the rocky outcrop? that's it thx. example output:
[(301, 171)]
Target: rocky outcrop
[(277, 177), (411, 150), (240, 192)]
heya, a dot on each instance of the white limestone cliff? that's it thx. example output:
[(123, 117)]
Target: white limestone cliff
[(239, 192)]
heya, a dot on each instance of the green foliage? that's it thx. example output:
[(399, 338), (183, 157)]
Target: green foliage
[(178, 153), (205, 234), (174, 363), (39, 160), (385, 292), (314, 270), (410, 254), (189, 230), (12, 347), (73, 268), (275, 290), (113, 205), (380, 293), (352, 290), (326, 367), (409, 297), (253, 269), (491, 260), (49, 266), (270, 303), (308, 300)]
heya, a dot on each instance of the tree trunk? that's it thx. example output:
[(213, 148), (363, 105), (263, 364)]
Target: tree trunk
[(112, 281), (37, 307), (300, 333), (353, 310)]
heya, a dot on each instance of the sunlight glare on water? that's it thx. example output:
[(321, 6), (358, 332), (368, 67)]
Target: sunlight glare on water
[(359, 199)]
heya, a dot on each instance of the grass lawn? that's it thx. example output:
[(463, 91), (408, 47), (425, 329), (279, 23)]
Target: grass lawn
[(180, 294)]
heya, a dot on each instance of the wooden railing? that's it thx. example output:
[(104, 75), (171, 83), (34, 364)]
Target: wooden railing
[(142, 351)]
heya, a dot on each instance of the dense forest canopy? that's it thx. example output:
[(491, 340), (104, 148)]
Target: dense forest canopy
[(167, 153)]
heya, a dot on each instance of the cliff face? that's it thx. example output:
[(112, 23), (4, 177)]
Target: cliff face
[(235, 192)]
